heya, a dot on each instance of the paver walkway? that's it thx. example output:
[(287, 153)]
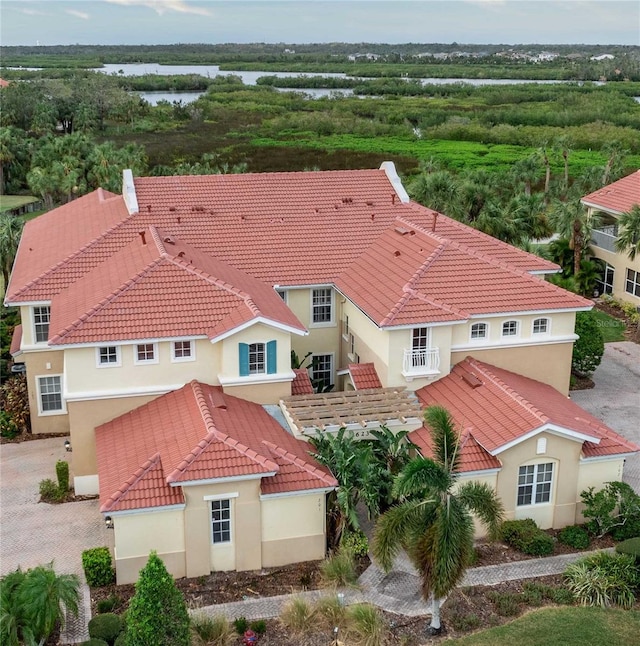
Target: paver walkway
[(399, 590)]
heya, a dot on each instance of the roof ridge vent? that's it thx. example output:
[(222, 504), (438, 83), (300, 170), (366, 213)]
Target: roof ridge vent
[(471, 380), (401, 230)]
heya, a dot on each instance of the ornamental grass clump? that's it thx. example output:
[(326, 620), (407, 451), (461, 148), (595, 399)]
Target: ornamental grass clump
[(366, 625), (298, 615), (339, 569), (211, 631)]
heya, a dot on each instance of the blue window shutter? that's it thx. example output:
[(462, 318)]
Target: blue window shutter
[(272, 361), (243, 349)]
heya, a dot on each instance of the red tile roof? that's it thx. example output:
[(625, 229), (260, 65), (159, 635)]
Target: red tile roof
[(158, 287), (364, 375), (617, 197), (16, 340), (498, 407), (197, 433), (301, 385), (423, 277), (264, 224), (51, 240)]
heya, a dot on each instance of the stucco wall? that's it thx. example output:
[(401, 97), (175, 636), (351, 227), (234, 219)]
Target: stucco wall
[(85, 378), (135, 535), (293, 529), (492, 480), (595, 474), (45, 364), (565, 456), (550, 364), (620, 262)]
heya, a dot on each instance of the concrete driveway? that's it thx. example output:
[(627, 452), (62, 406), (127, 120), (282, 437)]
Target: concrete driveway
[(616, 398), (34, 533)]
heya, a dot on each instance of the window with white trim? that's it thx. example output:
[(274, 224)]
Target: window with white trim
[(345, 327), (108, 355), (41, 318), (182, 351), (540, 326), (282, 293), (322, 305), (352, 344), (322, 372), (510, 328), (146, 353), (479, 331), (257, 359), (220, 521), (604, 282), (632, 283), (50, 394), (534, 484)]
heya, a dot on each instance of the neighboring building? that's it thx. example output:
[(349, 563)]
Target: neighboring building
[(131, 305), (621, 275)]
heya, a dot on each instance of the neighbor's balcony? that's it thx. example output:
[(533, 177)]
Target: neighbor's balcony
[(421, 363), (605, 237)]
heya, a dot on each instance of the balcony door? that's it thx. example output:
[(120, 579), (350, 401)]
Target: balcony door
[(421, 342)]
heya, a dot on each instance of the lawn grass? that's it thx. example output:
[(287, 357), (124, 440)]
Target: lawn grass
[(573, 626), (612, 328)]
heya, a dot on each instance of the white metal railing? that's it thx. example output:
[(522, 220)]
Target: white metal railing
[(421, 362), (605, 237)]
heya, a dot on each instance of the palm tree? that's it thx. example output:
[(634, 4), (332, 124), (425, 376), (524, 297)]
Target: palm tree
[(572, 221), (10, 232), (437, 190), (433, 519), (628, 240)]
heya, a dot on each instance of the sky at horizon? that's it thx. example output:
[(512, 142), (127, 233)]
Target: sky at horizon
[(148, 22)]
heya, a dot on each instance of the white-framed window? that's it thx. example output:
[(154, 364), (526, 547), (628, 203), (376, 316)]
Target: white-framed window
[(220, 521), (145, 353), (50, 400), (541, 326), (183, 350), (632, 283), (321, 371), (322, 306), (352, 345), (282, 293), (510, 328), (41, 318), (345, 327), (534, 484), (479, 331), (605, 282), (108, 356), (257, 359)]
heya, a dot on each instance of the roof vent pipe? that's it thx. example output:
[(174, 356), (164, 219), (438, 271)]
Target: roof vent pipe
[(141, 234)]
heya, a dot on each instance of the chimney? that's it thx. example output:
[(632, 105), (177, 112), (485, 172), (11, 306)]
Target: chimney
[(141, 234)]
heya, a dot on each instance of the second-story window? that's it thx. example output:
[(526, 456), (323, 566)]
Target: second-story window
[(257, 358), (41, 317), (510, 328), (257, 361), (322, 301), (479, 331), (108, 356), (146, 353), (183, 351), (540, 326)]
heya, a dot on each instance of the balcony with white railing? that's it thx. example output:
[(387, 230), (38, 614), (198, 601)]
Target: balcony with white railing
[(423, 362), (605, 237)]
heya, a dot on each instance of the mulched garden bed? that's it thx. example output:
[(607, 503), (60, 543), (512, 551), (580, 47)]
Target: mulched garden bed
[(26, 436)]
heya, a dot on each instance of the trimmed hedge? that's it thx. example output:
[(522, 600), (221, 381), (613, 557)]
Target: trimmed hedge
[(106, 627), (527, 537), (62, 473), (97, 566), (631, 546), (575, 536)]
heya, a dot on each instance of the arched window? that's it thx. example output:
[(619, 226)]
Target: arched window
[(541, 326), (479, 331)]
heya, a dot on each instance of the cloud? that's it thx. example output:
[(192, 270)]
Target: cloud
[(77, 14), (33, 12), (162, 6)]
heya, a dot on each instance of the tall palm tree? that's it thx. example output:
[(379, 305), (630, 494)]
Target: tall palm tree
[(10, 232), (628, 240), (433, 519), (571, 220), (437, 190)]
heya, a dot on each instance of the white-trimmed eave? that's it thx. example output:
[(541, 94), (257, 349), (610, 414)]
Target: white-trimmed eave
[(260, 319), (145, 510), (299, 492), (102, 343), (478, 473), (543, 272), (607, 458), (389, 169), (27, 303), (546, 428), (599, 207), (195, 483), (558, 310)]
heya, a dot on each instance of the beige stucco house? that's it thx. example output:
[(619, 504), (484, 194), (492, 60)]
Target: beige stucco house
[(131, 303), (621, 275)]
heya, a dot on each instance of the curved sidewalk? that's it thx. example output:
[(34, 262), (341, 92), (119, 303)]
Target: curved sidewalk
[(399, 590)]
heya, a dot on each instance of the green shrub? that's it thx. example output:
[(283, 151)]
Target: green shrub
[(589, 347), (50, 492), (563, 596), (356, 542), (506, 604), (298, 615), (366, 625), (210, 631), (339, 569), (533, 594), (120, 639), (575, 536), (259, 627), (465, 623), (630, 529), (240, 625), (8, 427), (106, 627), (62, 473), (332, 610), (97, 566), (614, 509), (603, 579), (112, 602), (526, 536), (631, 546)]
